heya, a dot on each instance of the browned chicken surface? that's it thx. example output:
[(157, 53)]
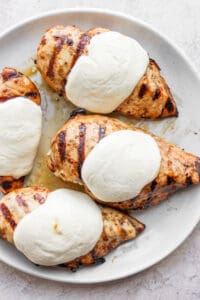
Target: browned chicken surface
[(15, 84), (81, 133), (117, 227), (59, 49)]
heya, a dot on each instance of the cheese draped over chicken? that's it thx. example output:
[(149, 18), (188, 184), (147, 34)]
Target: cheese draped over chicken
[(101, 80), (65, 227), (120, 165)]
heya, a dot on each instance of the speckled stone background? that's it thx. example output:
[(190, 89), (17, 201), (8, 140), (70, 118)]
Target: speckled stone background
[(176, 277)]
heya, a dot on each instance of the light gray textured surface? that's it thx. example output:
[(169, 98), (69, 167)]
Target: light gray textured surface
[(178, 276)]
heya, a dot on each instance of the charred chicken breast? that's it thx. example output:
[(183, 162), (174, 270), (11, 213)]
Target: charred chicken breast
[(74, 141), (60, 48), (117, 227)]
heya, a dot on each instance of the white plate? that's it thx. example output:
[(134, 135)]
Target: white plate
[(167, 224)]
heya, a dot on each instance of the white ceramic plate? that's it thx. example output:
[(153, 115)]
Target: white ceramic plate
[(168, 224)]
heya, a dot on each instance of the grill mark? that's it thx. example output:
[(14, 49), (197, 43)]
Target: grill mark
[(96, 259), (21, 201), (7, 215), (62, 145), (78, 111), (101, 132), (99, 261), (75, 269), (31, 94), (58, 48), (6, 75), (39, 198), (170, 180), (169, 105), (143, 90), (156, 95), (84, 40), (153, 185), (81, 147), (188, 180)]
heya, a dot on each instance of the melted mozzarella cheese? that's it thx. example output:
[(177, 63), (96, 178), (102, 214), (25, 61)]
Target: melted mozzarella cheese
[(20, 123)]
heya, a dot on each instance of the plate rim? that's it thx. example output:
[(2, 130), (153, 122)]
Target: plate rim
[(187, 60)]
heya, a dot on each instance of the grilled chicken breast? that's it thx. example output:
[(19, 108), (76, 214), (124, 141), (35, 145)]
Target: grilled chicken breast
[(15, 84), (117, 227), (61, 46), (81, 133)]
